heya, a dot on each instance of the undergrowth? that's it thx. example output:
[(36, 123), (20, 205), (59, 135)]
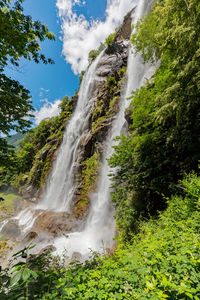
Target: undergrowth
[(162, 262)]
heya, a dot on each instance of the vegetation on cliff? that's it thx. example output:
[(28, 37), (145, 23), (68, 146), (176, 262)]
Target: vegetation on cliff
[(33, 160)]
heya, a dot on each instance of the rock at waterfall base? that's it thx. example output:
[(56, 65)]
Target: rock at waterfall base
[(54, 223)]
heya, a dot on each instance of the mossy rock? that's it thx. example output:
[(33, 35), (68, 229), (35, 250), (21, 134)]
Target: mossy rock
[(81, 208)]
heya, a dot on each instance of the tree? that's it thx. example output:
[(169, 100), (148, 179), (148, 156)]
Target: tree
[(164, 140), (19, 38)]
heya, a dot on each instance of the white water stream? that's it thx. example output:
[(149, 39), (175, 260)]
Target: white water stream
[(99, 229), (60, 189)]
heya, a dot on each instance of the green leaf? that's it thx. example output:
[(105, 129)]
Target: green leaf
[(15, 279), (26, 274)]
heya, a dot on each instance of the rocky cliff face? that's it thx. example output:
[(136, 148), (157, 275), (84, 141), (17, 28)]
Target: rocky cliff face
[(109, 86)]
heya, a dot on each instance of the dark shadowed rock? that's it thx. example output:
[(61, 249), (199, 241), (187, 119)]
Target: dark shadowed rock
[(44, 154), (54, 141), (128, 114), (85, 146)]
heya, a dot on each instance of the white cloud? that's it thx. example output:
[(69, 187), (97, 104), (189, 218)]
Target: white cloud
[(43, 91), (48, 110), (46, 91), (80, 36)]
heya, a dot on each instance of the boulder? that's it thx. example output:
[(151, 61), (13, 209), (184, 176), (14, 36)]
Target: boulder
[(54, 223)]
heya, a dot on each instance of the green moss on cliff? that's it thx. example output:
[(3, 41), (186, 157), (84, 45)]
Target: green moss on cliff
[(33, 161), (43, 160), (88, 181), (90, 173)]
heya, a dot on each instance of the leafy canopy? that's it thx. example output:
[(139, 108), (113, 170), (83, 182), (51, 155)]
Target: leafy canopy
[(164, 140), (19, 38)]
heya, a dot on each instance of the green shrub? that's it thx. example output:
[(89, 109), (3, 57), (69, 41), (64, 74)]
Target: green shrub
[(110, 39), (162, 262), (94, 53)]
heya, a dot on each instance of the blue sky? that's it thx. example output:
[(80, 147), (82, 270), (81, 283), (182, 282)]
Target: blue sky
[(57, 79), (79, 26)]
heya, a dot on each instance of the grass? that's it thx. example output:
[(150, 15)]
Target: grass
[(7, 206)]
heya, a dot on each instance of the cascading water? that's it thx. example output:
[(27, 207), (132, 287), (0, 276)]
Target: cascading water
[(99, 229), (100, 226), (60, 190)]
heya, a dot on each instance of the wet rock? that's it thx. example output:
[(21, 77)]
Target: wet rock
[(30, 236), (127, 116), (76, 256), (29, 192), (54, 223), (47, 249), (104, 68), (11, 229), (86, 145), (7, 248)]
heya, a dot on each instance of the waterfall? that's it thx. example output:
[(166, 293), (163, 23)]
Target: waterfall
[(59, 188), (99, 229)]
